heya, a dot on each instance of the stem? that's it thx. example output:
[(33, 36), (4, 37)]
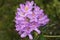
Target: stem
[(51, 36)]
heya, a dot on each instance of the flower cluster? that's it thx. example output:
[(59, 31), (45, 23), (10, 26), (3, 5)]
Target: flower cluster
[(29, 17)]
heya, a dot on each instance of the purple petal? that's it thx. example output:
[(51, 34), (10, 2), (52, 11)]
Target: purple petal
[(38, 31), (23, 35), (30, 36)]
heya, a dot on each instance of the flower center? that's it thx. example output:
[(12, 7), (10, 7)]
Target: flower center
[(40, 16), (27, 19), (28, 28), (33, 14), (26, 8)]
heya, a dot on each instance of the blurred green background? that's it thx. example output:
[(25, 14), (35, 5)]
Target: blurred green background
[(7, 14)]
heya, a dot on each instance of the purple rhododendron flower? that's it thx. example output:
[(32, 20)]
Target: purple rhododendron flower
[(29, 17)]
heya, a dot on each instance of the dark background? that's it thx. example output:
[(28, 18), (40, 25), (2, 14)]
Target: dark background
[(7, 14)]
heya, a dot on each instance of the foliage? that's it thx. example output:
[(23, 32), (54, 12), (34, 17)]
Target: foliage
[(7, 14)]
